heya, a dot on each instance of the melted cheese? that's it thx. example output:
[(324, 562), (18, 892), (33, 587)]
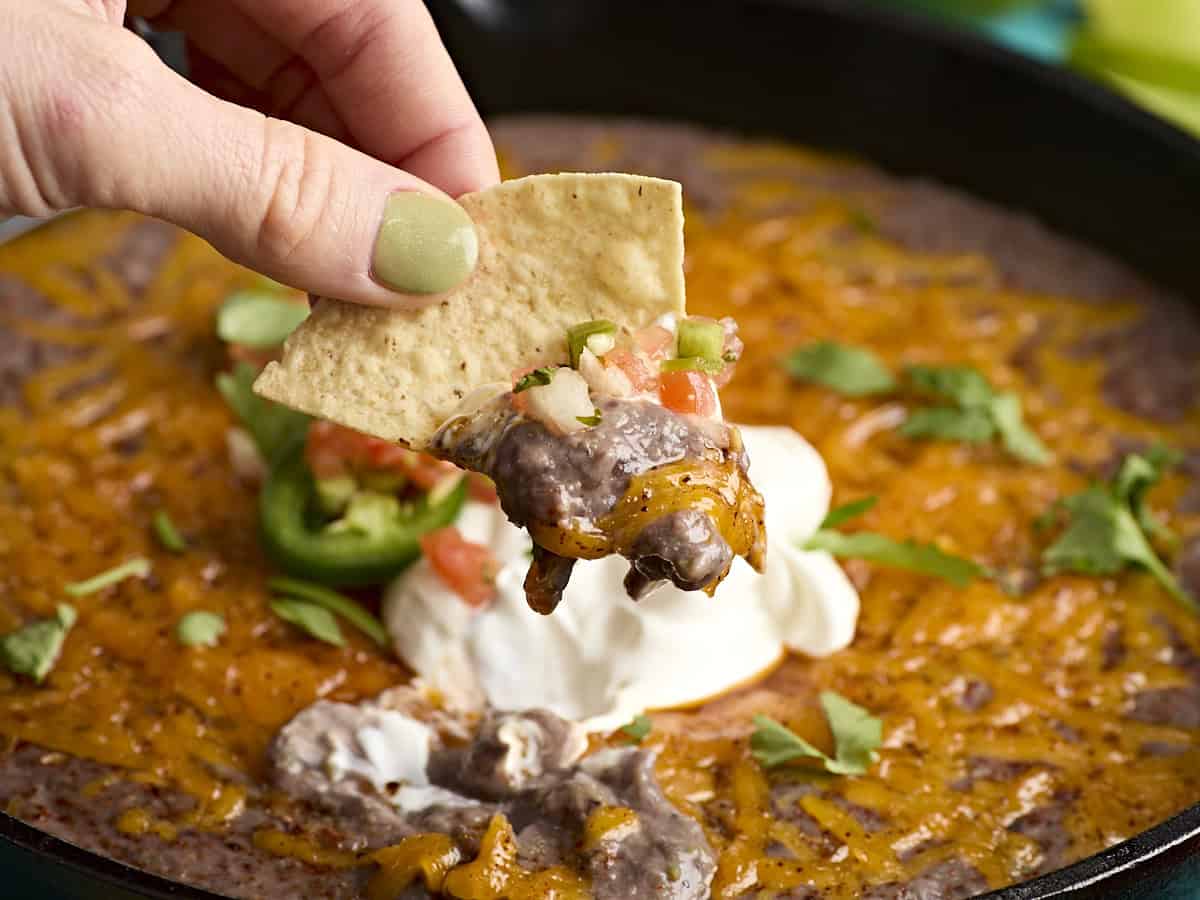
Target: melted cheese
[(84, 469)]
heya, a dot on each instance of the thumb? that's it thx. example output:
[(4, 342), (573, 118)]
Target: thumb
[(278, 198)]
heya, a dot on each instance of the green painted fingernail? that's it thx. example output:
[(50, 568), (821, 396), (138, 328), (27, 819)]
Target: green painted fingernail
[(425, 245)]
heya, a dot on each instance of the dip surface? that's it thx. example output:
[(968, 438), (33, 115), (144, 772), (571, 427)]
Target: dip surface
[(1020, 732)]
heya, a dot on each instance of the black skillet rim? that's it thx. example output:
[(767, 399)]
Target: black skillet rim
[(1167, 844)]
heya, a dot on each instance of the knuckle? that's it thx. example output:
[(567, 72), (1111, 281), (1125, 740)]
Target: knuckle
[(82, 113), (297, 182), (99, 86)]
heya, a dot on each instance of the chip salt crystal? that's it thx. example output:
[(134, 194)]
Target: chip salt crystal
[(555, 250), (601, 659)]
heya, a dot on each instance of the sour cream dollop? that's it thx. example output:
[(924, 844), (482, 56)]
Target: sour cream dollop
[(601, 659)]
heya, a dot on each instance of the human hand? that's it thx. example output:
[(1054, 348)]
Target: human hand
[(361, 101)]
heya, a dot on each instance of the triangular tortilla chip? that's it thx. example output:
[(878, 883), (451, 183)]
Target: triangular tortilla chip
[(555, 250)]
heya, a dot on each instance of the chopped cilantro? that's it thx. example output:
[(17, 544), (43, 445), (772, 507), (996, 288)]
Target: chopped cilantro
[(354, 613), (315, 620), (273, 426), (166, 532), (34, 649), (973, 412), (1106, 528), (638, 728), (847, 511), (259, 319), (844, 368), (200, 628), (856, 736), (1018, 439), (536, 378), (949, 423), (877, 548), (962, 385), (976, 414), (138, 567), (1138, 473), (591, 420), (924, 558)]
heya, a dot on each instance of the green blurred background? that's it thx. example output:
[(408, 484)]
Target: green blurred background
[(1147, 49)]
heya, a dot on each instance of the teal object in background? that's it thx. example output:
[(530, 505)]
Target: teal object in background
[(1148, 50), (1043, 31)]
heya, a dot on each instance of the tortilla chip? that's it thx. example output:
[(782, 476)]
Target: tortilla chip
[(555, 250)]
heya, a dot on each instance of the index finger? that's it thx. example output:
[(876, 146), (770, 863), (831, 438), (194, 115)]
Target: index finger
[(384, 67)]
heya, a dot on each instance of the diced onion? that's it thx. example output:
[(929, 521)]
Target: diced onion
[(604, 380), (599, 344), (561, 403)]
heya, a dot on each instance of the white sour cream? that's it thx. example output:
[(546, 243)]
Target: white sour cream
[(601, 659)]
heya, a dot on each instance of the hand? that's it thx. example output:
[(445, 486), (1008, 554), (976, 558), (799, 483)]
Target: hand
[(362, 102)]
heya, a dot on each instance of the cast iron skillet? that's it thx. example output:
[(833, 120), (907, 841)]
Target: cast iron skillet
[(903, 93)]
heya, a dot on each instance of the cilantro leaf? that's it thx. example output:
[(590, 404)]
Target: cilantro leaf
[(536, 378), (34, 649), (774, 745), (963, 385), (1137, 474), (591, 420), (877, 548), (273, 426), (856, 736), (949, 423), (138, 567), (847, 511), (1103, 536), (1016, 436), (353, 612), (849, 370), (315, 620), (973, 412), (638, 728), (259, 319), (200, 628), (977, 414)]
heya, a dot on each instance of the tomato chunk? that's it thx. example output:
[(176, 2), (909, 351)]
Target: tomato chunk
[(687, 392), (467, 568), (632, 367), (333, 450), (655, 341)]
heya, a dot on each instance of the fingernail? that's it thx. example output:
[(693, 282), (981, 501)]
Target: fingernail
[(425, 245)]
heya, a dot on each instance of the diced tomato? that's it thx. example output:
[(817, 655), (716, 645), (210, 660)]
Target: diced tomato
[(333, 450), (326, 449), (655, 341), (481, 488), (469, 569), (633, 367), (688, 392), (255, 357)]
